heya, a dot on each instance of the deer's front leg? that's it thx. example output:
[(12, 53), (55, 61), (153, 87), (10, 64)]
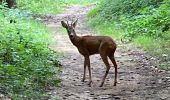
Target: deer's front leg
[(89, 68), (85, 64)]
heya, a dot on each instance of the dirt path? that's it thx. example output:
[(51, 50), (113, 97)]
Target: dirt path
[(138, 77)]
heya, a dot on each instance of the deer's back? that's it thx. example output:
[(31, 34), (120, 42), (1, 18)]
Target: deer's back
[(92, 44)]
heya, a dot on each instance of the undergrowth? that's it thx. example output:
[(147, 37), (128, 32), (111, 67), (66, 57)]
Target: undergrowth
[(27, 65), (146, 23)]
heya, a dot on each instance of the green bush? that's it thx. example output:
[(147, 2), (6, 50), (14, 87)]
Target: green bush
[(26, 62), (149, 22), (144, 22), (136, 17), (113, 9)]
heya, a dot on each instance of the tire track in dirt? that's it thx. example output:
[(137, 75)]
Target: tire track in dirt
[(137, 76)]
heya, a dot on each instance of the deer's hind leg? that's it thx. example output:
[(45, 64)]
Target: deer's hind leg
[(112, 58), (104, 54)]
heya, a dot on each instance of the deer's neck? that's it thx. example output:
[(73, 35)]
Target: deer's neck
[(75, 40)]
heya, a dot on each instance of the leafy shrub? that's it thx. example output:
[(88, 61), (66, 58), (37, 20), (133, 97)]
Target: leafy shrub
[(144, 22), (137, 17), (25, 66), (150, 22), (112, 9)]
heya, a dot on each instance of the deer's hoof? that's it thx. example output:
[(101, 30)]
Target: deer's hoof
[(115, 83), (89, 83), (101, 84), (82, 80)]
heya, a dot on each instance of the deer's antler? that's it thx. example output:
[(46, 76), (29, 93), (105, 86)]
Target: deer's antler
[(67, 22), (72, 22)]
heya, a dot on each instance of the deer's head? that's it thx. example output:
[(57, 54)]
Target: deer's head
[(70, 28)]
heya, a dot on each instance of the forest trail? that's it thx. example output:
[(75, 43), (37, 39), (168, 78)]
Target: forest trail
[(137, 76)]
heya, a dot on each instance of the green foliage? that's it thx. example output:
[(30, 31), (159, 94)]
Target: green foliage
[(106, 28), (26, 62), (92, 13), (112, 9), (150, 22), (144, 22), (144, 17)]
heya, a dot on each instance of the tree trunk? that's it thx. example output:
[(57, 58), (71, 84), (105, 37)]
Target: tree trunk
[(10, 3)]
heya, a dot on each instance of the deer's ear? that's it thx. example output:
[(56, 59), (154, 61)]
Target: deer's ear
[(64, 24), (75, 23)]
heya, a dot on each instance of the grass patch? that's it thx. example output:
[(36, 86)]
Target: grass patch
[(41, 6), (156, 47), (149, 44), (105, 28)]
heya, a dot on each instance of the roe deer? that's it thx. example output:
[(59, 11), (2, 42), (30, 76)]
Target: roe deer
[(89, 45)]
